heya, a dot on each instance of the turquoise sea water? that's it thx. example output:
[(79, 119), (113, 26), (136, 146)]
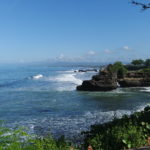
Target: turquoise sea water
[(43, 98)]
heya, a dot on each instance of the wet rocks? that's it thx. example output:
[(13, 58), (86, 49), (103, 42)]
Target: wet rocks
[(105, 81)]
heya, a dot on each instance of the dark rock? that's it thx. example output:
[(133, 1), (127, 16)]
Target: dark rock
[(91, 85), (81, 70), (130, 83), (87, 70), (135, 79), (106, 81), (101, 82), (133, 82), (134, 67)]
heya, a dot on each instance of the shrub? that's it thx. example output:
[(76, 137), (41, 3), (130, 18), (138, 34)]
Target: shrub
[(137, 62), (118, 68), (147, 63), (146, 70), (19, 140), (128, 132)]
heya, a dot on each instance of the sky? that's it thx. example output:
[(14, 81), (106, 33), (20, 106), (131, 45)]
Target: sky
[(73, 30)]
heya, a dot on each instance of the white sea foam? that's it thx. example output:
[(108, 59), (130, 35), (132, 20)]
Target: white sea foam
[(146, 89), (71, 125), (38, 76), (66, 78), (118, 91), (102, 117), (141, 108)]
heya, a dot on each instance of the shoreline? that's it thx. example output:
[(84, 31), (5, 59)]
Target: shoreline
[(138, 122)]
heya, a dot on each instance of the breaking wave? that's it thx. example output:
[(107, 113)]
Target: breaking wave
[(146, 89), (66, 78), (141, 108), (71, 125), (38, 76)]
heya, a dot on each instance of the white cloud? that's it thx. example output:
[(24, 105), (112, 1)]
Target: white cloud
[(61, 56), (107, 51), (126, 48), (64, 58), (91, 52)]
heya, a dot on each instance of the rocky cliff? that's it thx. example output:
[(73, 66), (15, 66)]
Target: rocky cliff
[(104, 81), (107, 81), (135, 79)]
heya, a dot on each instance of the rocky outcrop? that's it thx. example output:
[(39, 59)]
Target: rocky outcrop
[(105, 81), (87, 70), (135, 79)]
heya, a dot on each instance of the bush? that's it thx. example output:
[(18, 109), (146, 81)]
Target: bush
[(146, 70), (147, 63), (127, 132), (118, 138), (137, 62), (20, 140), (118, 68)]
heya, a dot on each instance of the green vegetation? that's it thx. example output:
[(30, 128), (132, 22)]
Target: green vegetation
[(147, 63), (137, 62), (140, 62), (20, 140), (146, 70), (121, 69), (118, 68), (127, 132)]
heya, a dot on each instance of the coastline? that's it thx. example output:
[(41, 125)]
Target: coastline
[(130, 131)]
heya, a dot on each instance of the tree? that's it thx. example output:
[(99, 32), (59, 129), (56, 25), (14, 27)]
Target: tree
[(118, 69), (137, 62), (147, 63), (145, 5)]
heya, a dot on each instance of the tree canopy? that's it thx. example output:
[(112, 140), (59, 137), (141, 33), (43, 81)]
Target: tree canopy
[(147, 63), (137, 62), (118, 68)]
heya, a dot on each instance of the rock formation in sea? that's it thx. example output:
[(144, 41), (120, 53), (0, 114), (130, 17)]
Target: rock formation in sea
[(135, 79), (113, 75), (104, 81)]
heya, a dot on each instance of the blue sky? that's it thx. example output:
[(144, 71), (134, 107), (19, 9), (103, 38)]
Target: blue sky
[(73, 30)]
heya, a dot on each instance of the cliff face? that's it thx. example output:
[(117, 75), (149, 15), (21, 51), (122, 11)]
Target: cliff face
[(105, 81), (135, 79)]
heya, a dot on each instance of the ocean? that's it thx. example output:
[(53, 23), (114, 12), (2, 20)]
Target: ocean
[(44, 99)]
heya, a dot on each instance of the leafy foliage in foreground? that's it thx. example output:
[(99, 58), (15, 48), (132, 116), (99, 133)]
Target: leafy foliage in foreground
[(127, 132), (20, 140)]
